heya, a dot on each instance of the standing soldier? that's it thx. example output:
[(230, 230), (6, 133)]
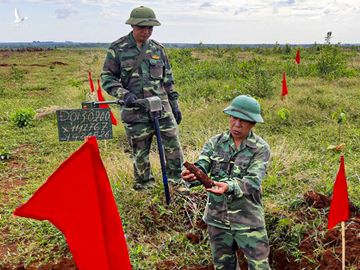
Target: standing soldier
[(137, 67), (236, 160)]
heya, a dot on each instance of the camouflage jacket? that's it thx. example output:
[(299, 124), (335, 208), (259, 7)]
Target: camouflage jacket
[(243, 170), (153, 77)]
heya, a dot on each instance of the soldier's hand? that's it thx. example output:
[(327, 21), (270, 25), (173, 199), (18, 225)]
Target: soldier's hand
[(175, 107), (219, 188), (129, 99), (178, 116), (187, 176)]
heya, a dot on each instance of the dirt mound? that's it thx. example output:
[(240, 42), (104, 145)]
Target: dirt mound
[(59, 63), (321, 248), (317, 200), (330, 258), (63, 264)]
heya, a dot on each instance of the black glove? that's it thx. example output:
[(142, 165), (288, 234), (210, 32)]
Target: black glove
[(175, 107), (129, 99), (177, 115)]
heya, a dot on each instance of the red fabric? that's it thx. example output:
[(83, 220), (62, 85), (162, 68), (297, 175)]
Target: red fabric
[(92, 88), (78, 200), (101, 98), (284, 89), (339, 208), (297, 58)]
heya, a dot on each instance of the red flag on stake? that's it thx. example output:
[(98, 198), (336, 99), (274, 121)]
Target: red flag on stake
[(92, 88), (297, 58), (101, 98), (78, 200), (339, 208), (284, 89)]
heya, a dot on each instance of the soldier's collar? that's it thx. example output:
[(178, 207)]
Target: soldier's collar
[(250, 141), (132, 42)]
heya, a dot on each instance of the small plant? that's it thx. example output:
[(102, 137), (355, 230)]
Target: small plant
[(23, 117), (340, 117), (283, 114)]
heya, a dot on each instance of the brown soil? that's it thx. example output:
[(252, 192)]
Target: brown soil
[(330, 256), (64, 264), (330, 259), (59, 63)]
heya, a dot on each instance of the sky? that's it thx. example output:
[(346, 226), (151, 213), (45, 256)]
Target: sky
[(185, 21)]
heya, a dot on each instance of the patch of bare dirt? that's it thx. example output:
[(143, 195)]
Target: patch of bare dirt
[(7, 248), (59, 63), (63, 264)]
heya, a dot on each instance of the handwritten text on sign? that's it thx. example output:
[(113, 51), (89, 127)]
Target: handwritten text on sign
[(74, 125)]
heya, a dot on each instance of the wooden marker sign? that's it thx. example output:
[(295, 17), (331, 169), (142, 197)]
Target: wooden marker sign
[(75, 125)]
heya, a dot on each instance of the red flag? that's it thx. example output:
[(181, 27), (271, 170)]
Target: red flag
[(101, 98), (284, 89), (339, 208), (92, 88), (78, 200), (297, 58)]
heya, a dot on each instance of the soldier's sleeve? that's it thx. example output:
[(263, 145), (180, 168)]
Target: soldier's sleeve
[(204, 161), (251, 182), (110, 75), (168, 75)]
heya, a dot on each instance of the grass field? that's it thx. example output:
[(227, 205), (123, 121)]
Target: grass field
[(302, 132)]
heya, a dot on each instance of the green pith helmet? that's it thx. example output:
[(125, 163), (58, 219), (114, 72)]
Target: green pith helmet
[(143, 16), (245, 108)]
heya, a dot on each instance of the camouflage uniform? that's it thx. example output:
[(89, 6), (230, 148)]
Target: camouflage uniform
[(236, 217), (153, 78)]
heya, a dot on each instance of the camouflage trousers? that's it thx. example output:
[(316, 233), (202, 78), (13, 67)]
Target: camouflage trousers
[(253, 243), (140, 136)]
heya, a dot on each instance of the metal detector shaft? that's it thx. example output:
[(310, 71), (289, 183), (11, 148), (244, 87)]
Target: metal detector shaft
[(95, 104), (162, 158)]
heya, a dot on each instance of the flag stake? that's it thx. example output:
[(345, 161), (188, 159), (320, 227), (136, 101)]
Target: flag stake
[(297, 71), (343, 244)]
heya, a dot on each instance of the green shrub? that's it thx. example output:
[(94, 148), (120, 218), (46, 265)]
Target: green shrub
[(331, 63), (258, 79), (23, 117)]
